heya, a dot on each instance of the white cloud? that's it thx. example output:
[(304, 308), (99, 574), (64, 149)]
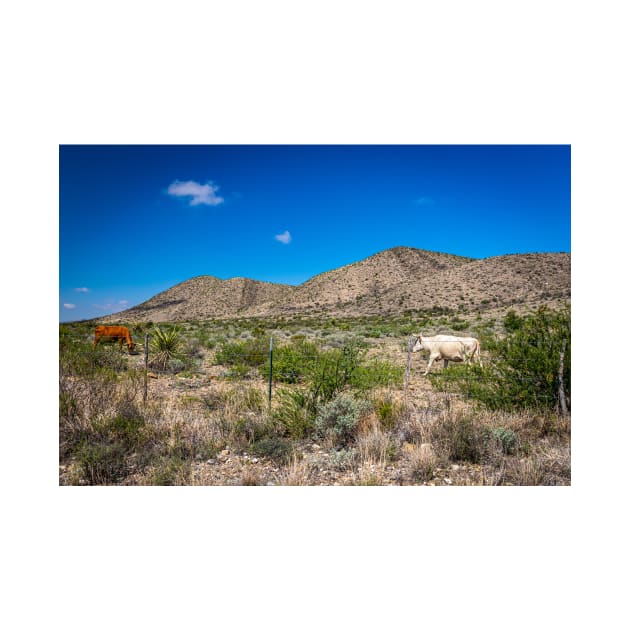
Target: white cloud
[(285, 237), (199, 193), (67, 305), (123, 302), (82, 290)]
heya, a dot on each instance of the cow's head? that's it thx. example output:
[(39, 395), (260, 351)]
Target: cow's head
[(131, 347), (418, 345)]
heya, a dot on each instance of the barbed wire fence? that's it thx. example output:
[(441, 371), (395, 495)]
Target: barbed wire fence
[(277, 374)]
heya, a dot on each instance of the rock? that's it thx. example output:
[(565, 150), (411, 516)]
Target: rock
[(254, 460), (455, 467), (211, 461)]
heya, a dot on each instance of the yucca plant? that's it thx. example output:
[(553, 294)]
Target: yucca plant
[(166, 345)]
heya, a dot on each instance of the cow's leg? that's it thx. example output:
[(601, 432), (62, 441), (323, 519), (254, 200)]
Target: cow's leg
[(445, 363), (431, 359)]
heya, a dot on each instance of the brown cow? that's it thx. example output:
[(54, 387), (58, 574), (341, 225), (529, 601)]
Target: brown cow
[(116, 333)]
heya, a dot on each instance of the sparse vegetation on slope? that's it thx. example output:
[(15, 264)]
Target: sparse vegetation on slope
[(388, 283)]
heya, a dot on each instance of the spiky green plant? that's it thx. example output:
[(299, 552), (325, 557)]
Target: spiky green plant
[(166, 345)]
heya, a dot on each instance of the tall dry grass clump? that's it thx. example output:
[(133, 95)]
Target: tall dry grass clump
[(422, 461), (299, 472)]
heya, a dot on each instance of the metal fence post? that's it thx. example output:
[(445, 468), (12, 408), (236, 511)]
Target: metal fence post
[(270, 368), (407, 372), (146, 365), (561, 396)]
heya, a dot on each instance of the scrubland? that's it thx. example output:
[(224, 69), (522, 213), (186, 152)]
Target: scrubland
[(340, 413)]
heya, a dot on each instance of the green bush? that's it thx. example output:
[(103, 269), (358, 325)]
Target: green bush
[(333, 372), (376, 374), (170, 471), (252, 429), (388, 412), (105, 448), (277, 449), (294, 412), (512, 322), (338, 419), (506, 438), (291, 363), (102, 464), (249, 352), (82, 359), (524, 369), (461, 439)]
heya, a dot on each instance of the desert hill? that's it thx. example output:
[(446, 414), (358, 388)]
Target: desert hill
[(390, 281)]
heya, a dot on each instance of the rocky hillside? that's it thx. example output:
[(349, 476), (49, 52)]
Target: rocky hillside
[(390, 281), (206, 297)]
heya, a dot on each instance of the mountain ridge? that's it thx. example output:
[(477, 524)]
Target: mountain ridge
[(387, 282)]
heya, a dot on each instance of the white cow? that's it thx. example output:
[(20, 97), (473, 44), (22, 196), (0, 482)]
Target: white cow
[(448, 348)]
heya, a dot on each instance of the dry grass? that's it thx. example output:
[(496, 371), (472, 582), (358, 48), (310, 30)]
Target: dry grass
[(205, 431), (374, 447), (299, 472), (422, 461)]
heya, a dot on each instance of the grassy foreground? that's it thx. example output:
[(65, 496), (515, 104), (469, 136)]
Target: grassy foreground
[(340, 414)]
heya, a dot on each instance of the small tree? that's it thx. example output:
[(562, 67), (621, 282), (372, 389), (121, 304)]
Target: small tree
[(524, 372)]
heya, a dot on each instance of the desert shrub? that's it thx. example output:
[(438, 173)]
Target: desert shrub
[(252, 399), (537, 470), (169, 471), (293, 412), (237, 373), (343, 459), (524, 370), (388, 412), (252, 429), (333, 372), (512, 322), (125, 429), (166, 346), (375, 446), (458, 326), (422, 462), (461, 439), (252, 352), (376, 374), (235, 401), (337, 419), (291, 363), (506, 438), (82, 359), (102, 464), (277, 449)]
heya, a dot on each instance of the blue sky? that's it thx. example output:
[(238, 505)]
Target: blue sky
[(135, 220)]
